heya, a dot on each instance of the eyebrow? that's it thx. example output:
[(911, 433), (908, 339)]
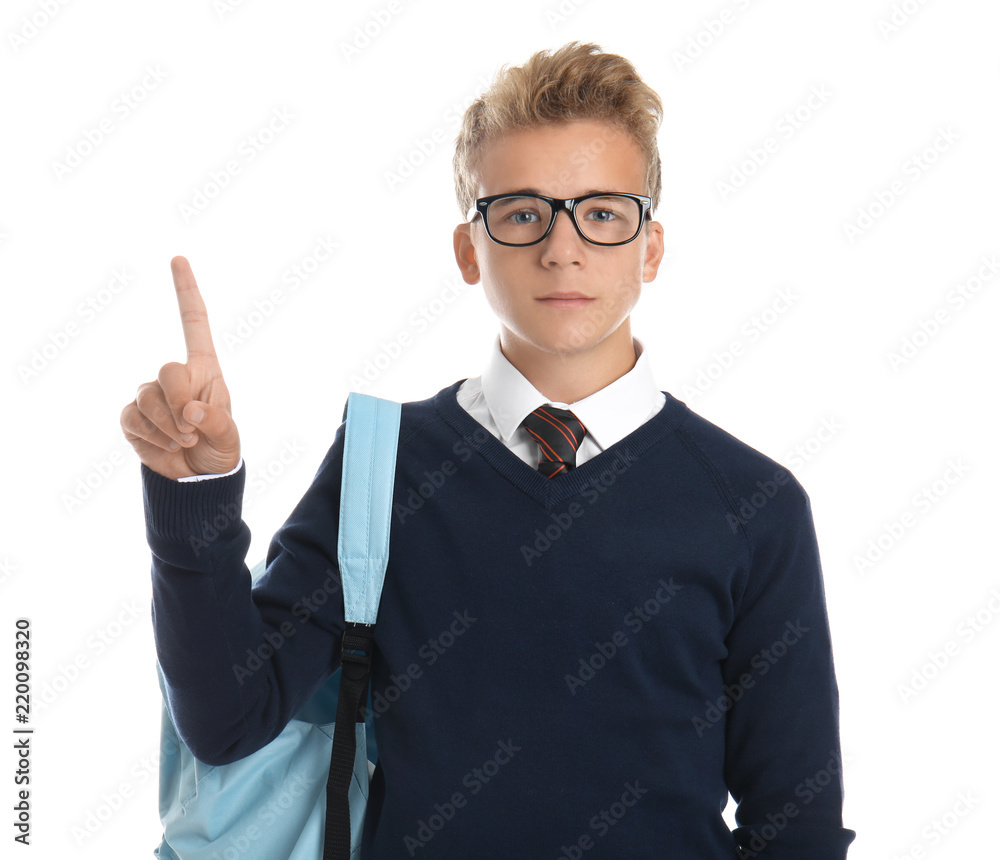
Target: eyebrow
[(582, 194)]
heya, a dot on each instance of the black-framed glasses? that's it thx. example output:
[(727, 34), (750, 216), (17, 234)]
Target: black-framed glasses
[(602, 218)]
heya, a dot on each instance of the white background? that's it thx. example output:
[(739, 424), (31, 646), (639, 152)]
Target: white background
[(73, 547)]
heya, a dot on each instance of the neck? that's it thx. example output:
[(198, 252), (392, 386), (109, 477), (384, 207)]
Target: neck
[(566, 377)]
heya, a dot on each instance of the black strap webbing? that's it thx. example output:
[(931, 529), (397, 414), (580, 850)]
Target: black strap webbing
[(355, 659)]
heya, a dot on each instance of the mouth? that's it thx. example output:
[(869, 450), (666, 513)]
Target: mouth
[(566, 300)]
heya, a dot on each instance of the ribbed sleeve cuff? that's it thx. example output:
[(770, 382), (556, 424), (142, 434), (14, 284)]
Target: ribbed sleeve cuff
[(772, 841), (196, 513)]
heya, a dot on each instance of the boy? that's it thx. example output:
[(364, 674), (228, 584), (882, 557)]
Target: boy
[(597, 645)]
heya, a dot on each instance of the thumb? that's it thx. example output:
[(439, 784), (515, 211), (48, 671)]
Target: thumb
[(214, 423), (194, 413)]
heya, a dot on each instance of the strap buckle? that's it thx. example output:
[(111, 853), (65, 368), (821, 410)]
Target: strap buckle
[(356, 651)]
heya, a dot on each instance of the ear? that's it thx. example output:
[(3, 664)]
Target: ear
[(465, 253), (654, 252)]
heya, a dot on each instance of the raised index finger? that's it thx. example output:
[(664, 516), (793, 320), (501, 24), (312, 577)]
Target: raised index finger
[(194, 316)]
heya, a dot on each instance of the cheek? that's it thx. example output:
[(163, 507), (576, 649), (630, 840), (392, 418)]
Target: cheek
[(502, 276), (496, 287), (623, 276), (489, 260)]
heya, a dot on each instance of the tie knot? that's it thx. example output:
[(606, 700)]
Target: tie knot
[(558, 433)]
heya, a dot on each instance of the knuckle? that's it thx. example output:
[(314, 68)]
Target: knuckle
[(170, 372), (133, 423), (146, 396), (174, 383), (194, 316)]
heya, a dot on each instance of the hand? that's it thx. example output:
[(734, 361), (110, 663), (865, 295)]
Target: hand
[(180, 424)]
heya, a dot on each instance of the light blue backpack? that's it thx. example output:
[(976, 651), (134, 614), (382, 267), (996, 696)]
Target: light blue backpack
[(303, 796)]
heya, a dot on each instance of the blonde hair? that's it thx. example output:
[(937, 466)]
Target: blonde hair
[(577, 81)]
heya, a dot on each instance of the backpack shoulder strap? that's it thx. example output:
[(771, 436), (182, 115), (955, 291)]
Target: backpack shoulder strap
[(370, 445)]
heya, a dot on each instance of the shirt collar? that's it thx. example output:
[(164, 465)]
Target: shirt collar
[(609, 414)]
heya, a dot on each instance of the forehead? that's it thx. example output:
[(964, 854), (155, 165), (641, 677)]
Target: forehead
[(562, 160)]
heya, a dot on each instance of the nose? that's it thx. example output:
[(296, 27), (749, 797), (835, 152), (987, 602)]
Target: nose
[(563, 237)]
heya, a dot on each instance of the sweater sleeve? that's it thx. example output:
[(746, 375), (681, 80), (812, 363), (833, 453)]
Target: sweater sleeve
[(239, 659), (783, 763)]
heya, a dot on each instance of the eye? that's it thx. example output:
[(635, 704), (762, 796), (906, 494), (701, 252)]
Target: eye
[(604, 210), (515, 215), (607, 213)]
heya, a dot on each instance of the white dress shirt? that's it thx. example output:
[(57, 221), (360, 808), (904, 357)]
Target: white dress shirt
[(502, 397)]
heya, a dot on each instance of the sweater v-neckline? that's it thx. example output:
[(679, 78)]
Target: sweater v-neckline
[(552, 491)]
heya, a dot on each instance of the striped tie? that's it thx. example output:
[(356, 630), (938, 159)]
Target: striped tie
[(559, 434)]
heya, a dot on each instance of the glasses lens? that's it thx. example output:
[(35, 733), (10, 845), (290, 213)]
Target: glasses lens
[(518, 220), (608, 219)]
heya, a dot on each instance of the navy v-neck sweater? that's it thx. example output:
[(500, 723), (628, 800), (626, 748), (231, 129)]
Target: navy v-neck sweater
[(575, 667)]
